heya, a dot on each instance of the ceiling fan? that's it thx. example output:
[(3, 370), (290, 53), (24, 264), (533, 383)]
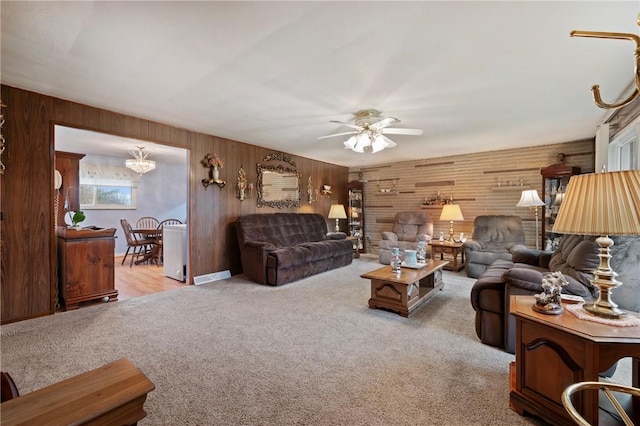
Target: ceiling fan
[(369, 130)]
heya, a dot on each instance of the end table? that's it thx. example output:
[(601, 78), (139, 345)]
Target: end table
[(554, 351), (451, 248)]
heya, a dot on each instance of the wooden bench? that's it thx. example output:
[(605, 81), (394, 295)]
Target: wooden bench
[(113, 394)]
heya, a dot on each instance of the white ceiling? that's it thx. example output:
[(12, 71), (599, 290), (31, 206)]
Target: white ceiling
[(476, 76)]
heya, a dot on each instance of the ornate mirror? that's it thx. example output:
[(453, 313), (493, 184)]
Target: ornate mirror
[(278, 185)]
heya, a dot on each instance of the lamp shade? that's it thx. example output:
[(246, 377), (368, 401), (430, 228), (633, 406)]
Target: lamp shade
[(530, 198), (451, 212), (337, 212), (601, 204)]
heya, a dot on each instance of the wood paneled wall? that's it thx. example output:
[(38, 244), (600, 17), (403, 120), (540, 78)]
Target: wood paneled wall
[(26, 233), (481, 183)]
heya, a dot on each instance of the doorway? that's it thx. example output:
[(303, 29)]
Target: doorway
[(161, 193)]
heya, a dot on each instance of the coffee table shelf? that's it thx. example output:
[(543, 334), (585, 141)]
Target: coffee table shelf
[(405, 292)]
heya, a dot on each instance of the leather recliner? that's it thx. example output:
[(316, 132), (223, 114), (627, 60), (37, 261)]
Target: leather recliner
[(576, 258), (494, 237), (408, 229)]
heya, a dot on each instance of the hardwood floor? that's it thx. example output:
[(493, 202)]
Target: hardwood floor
[(140, 280)]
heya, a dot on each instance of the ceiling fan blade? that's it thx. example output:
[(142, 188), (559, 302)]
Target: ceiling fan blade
[(390, 143), (384, 122), (353, 126), (337, 134), (398, 131)]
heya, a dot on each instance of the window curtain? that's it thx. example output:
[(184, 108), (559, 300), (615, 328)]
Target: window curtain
[(100, 174)]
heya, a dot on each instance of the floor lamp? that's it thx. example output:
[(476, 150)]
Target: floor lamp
[(602, 204), (531, 199)]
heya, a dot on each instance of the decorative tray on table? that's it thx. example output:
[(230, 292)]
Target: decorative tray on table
[(418, 265)]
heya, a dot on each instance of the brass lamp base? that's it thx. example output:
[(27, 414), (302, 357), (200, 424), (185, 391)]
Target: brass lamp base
[(451, 239), (605, 280), (604, 311)]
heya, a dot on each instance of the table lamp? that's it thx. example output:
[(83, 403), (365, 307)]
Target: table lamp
[(452, 213), (531, 199), (602, 204), (337, 212)]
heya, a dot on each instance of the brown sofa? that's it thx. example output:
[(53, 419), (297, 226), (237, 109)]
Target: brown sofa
[(576, 257), (280, 248)]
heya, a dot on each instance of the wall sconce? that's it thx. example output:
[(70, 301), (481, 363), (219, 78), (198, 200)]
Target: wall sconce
[(242, 184), (214, 164), (326, 190), (310, 194), (2, 145)]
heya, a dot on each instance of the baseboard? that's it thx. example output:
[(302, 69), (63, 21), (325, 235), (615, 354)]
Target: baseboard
[(209, 278)]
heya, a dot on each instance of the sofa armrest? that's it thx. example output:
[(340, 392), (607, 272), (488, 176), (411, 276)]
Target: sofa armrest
[(423, 237), (517, 247), (471, 245), (262, 245), (545, 258), (391, 236), (523, 278), (336, 236), (527, 256)]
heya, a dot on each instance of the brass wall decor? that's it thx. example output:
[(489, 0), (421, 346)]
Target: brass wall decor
[(2, 142), (312, 195), (214, 163), (242, 184), (619, 36)]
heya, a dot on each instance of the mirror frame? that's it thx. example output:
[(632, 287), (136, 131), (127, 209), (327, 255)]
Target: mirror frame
[(260, 168)]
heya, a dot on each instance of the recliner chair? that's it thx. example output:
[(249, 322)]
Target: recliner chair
[(494, 237), (408, 229)]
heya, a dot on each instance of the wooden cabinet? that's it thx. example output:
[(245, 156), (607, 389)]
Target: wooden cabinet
[(355, 212), (555, 351), (85, 265), (554, 184), (68, 164)]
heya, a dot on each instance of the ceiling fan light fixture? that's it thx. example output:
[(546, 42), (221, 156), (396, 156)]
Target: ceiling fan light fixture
[(139, 163), (378, 144), (368, 132)]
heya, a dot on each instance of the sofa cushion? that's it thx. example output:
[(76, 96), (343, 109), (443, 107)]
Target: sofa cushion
[(321, 249), (287, 257)]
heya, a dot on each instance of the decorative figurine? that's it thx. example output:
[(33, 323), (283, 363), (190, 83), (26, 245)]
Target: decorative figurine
[(395, 260), (549, 301)]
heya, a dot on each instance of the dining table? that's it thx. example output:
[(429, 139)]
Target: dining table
[(151, 234)]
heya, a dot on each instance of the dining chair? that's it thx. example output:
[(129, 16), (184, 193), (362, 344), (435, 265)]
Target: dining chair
[(158, 247), (140, 246), (147, 222)]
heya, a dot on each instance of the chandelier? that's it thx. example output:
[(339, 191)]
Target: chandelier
[(139, 163), (369, 139)]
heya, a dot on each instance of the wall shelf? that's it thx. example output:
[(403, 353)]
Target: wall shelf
[(510, 188), (207, 182)]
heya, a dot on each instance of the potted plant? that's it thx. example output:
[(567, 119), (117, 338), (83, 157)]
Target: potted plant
[(76, 218)]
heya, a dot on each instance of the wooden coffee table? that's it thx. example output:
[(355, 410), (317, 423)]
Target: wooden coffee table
[(405, 292)]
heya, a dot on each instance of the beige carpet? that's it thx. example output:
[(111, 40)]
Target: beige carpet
[(307, 353)]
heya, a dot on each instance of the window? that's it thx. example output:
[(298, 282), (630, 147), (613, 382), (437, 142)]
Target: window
[(106, 196), (624, 150), (107, 187)]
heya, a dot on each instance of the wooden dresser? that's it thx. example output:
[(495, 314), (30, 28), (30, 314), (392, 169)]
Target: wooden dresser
[(85, 265)]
